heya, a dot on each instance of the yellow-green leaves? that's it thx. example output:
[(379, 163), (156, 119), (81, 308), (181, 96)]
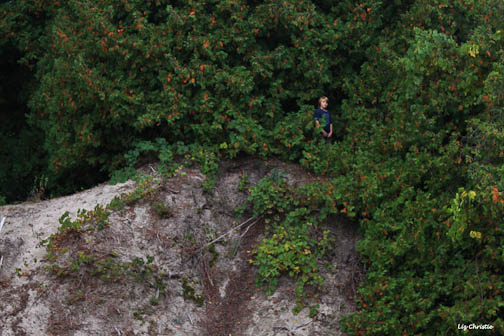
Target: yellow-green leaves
[(475, 234)]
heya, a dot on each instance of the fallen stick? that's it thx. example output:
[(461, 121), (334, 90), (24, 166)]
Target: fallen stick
[(1, 226), (246, 230), (205, 269), (228, 232), (235, 249), (198, 250)]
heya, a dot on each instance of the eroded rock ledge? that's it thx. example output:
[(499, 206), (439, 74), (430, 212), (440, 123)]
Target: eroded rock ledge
[(205, 290)]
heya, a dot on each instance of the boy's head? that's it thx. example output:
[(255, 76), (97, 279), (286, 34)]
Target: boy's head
[(321, 100)]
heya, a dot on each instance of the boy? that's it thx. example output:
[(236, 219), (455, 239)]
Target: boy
[(323, 114)]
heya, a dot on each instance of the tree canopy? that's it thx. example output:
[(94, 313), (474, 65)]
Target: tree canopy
[(416, 89)]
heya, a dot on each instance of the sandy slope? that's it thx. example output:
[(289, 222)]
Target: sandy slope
[(33, 301)]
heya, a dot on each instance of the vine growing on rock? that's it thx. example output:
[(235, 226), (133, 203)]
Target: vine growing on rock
[(296, 240), (75, 253)]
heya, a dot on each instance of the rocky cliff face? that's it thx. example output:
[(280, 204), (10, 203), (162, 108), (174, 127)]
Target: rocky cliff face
[(145, 266)]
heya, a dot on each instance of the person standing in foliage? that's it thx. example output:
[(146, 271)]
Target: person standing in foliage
[(323, 115)]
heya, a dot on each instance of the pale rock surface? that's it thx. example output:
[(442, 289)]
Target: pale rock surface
[(35, 302)]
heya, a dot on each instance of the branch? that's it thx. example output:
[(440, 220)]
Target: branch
[(236, 227), (1, 226)]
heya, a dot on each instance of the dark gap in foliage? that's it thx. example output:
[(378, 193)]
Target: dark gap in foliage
[(21, 156), (392, 11), (12, 78), (80, 178), (324, 5), (121, 16), (288, 106), (157, 13)]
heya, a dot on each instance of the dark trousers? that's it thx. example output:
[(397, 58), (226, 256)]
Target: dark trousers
[(326, 140)]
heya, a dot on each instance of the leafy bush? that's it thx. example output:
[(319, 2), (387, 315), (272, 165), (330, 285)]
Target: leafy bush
[(296, 241), (416, 89), (112, 76), (162, 210)]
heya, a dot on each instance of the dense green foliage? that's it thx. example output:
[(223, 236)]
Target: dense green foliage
[(416, 89), (297, 242)]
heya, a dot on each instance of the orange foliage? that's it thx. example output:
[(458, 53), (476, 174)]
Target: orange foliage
[(495, 194)]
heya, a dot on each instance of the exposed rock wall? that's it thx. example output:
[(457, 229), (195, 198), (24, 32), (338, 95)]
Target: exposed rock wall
[(206, 291)]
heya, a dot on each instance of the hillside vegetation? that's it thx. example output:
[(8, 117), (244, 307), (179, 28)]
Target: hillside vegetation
[(92, 89)]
